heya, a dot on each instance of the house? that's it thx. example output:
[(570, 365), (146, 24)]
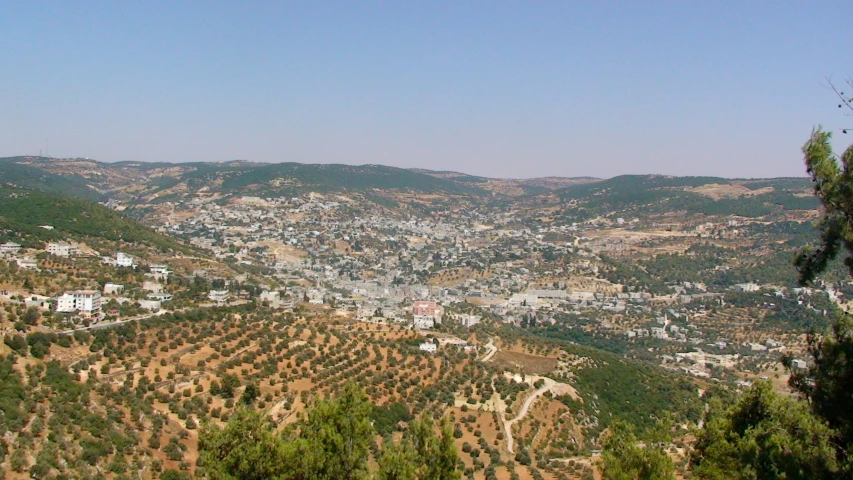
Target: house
[(124, 260), (467, 320), (428, 347), (9, 248), (218, 296), (150, 305), (153, 287), (273, 298), (799, 365), (424, 322), (160, 297), (113, 288), (84, 301), (62, 249), (159, 271), (26, 263)]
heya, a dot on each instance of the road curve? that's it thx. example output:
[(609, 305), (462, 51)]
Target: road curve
[(525, 407), (492, 350)]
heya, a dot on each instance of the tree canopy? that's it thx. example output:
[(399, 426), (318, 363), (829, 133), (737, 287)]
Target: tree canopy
[(331, 442)]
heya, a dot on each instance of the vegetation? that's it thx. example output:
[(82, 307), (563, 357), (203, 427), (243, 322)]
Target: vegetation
[(23, 212), (765, 435), (332, 442), (625, 459)]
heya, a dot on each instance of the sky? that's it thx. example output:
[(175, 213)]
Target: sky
[(501, 89)]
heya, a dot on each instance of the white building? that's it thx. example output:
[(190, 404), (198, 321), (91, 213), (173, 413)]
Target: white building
[(113, 288), (522, 300), (160, 297), (62, 249), (218, 296), (159, 271), (9, 248), (272, 298), (150, 305), (26, 263), (424, 322), (153, 287), (124, 260), (84, 301), (467, 320), (429, 347)]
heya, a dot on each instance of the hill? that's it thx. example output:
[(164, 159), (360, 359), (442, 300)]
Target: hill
[(656, 194), (24, 214)]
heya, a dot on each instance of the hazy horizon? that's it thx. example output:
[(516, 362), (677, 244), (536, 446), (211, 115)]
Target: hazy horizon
[(506, 90)]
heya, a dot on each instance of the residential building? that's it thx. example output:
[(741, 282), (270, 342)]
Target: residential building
[(9, 248), (430, 309), (219, 296), (113, 288), (84, 301), (429, 347), (125, 260), (150, 305), (62, 249), (27, 263)]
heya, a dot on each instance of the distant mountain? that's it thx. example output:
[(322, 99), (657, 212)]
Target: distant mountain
[(140, 181), (143, 186), (509, 186)]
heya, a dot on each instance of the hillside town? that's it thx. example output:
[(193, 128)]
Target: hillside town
[(453, 271)]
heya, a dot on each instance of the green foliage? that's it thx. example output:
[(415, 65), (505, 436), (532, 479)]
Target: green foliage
[(623, 458), (17, 343), (250, 394), (764, 436), (332, 442), (833, 185), (308, 177), (174, 475), (12, 394), (386, 418), (632, 392), (828, 383), (649, 194), (24, 210), (341, 429)]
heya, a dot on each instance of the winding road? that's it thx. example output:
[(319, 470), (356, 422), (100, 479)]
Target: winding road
[(525, 407), (492, 351)]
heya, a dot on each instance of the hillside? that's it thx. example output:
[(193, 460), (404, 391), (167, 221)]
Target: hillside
[(25, 213), (656, 194)]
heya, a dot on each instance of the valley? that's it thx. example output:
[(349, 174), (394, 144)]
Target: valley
[(533, 314)]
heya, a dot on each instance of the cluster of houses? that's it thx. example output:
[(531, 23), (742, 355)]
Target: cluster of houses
[(87, 305)]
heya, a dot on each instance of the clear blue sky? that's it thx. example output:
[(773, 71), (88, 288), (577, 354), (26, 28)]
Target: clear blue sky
[(504, 89)]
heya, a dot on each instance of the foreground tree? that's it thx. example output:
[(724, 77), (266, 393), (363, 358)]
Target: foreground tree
[(828, 383), (331, 443), (624, 458), (764, 436)]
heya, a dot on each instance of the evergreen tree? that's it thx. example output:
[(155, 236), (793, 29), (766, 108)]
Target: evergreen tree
[(341, 429), (624, 459), (764, 436), (828, 383), (332, 442)]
